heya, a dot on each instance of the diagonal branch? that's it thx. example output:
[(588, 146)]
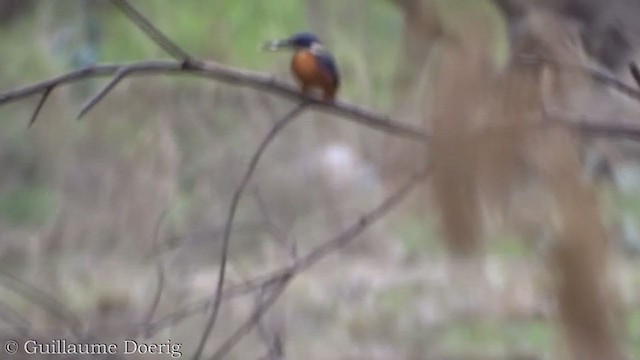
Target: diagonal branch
[(635, 72), (300, 265), (43, 300), (595, 74), (93, 101), (253, 320), (160, 273), (281, 279), (151, 31), (43, 99), (235, 200), (20, 324)]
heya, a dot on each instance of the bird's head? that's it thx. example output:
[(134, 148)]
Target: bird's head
[(298, 41)]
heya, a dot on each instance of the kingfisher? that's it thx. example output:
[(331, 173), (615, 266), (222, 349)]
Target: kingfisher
[(312, 64)]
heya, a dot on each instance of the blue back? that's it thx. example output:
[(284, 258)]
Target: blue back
[(325, 59)]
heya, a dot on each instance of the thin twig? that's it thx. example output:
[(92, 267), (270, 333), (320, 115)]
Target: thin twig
[(21, 324), (594, 73), (272, 338), (252, 321), (279, 235), (206, 234), (635, 72), (151, 31), (282, 279), (43, 99), (160, 272), (593, 128), (94, 100), (177, 316), (44, 300), (300, 265), (253, 163)]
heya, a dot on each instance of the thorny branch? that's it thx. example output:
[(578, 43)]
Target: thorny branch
[(93, 101), (226, 74), (43, 99)]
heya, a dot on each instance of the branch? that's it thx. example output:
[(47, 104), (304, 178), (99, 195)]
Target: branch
[(43, 99), (160, 273), (151, 31), (120, 74), (280, 279), (278, 235), (635, 72), (21, 324), (228, 75), (594, 73), (253, 320), (253, 164), (299, 266), (265, 82), (594, 129), (44, 300)]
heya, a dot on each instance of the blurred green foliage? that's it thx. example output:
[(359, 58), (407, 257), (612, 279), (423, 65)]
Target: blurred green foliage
[(489, 337), (29, 206)]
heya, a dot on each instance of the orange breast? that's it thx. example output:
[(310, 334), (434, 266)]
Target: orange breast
[(308, 72)]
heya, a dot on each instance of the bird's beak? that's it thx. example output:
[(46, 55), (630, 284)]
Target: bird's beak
[(275, 45)]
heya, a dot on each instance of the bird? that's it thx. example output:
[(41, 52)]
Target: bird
[(313, 66)]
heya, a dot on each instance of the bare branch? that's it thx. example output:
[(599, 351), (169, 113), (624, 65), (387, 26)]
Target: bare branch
[(273, 338), (339, 241), (21, 325), (635, 72), (593, 128), (93, 101), (44, 300), (229, 75), (160, 272), (280, 279), (253, 320), (43, 99), (177, 317), (594, 73), (151, 31), (279, 235), (261, 81), (210, 233), (300, 265), (253, 163)]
